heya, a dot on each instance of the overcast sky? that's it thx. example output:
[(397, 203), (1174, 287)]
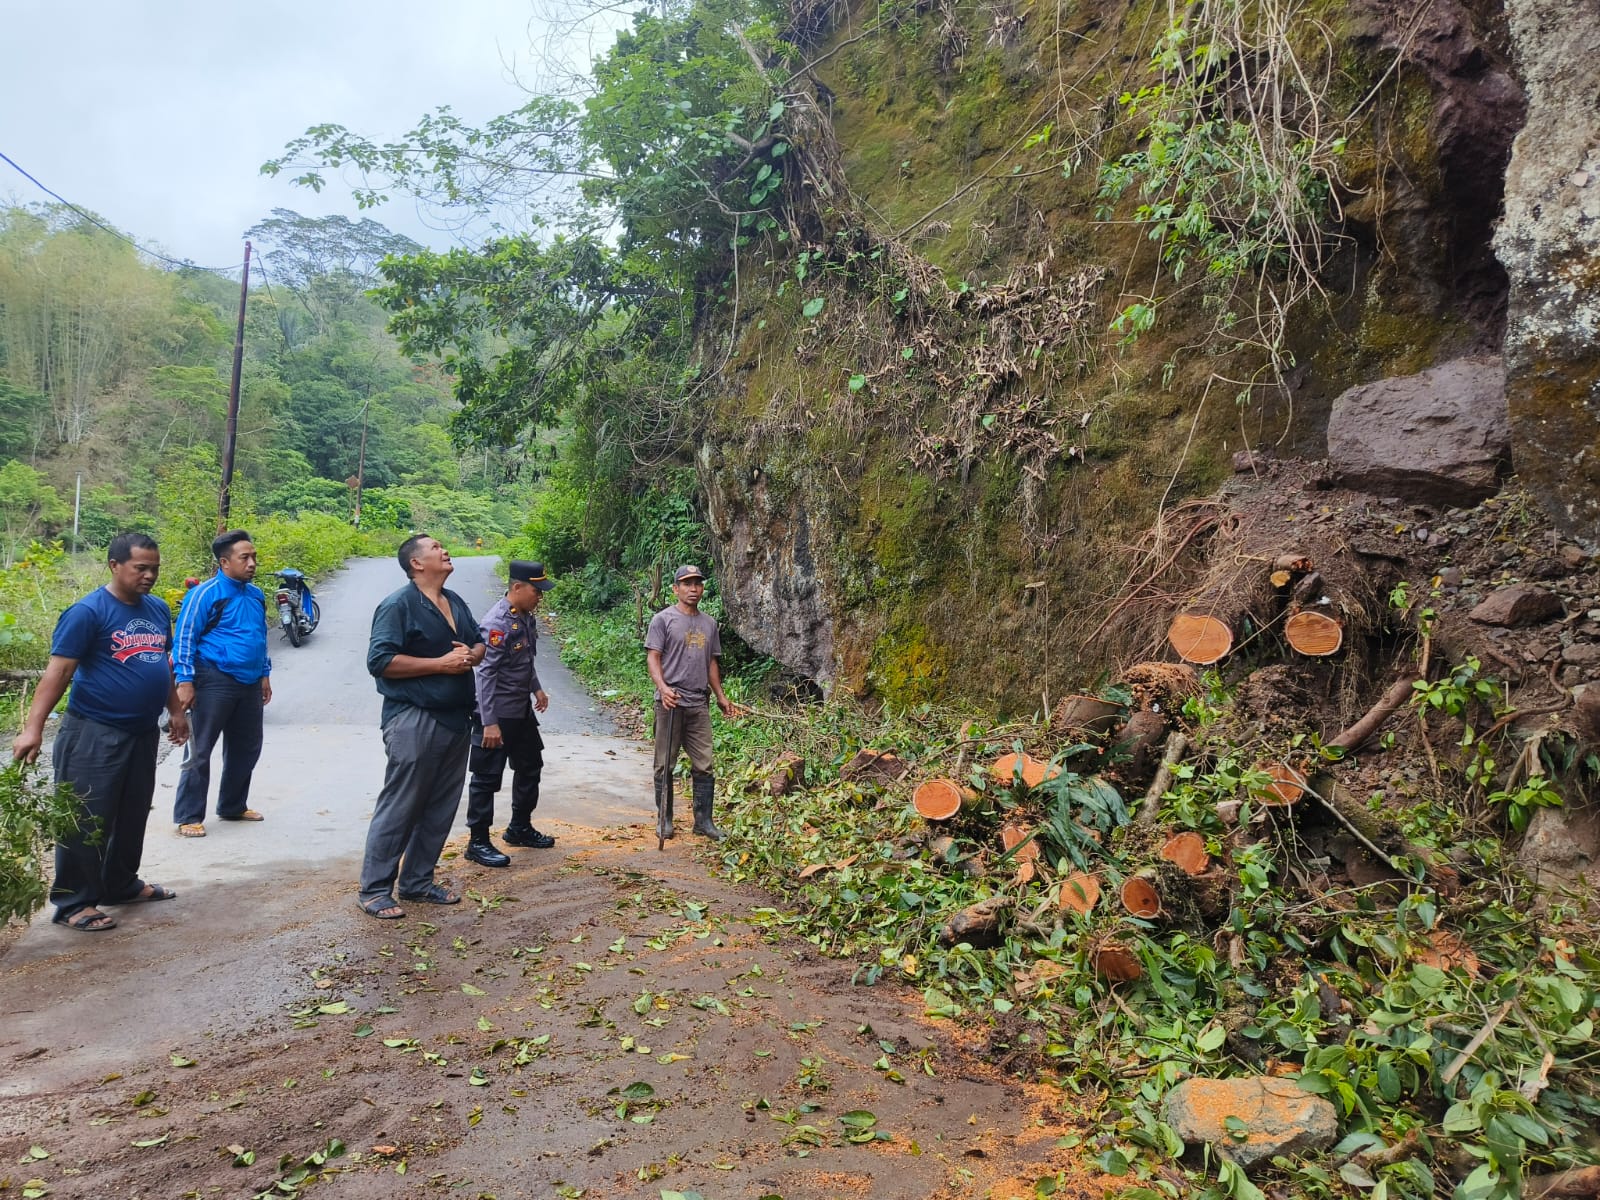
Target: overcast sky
[(157, 114)]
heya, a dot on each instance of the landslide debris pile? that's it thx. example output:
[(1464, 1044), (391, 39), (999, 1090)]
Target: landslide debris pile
[(1361, 865)]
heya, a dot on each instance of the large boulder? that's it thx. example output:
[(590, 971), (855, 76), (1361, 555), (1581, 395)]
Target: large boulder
[(1252, 1119), (1517, 605), (1549, 241), (1441, 437)]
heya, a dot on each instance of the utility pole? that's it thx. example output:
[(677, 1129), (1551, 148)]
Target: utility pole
[(361, 459), (226, 502)]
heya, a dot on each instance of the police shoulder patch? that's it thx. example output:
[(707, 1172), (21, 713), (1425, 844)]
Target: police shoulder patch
[(497, 638)]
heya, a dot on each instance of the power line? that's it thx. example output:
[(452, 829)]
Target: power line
[(117, 233)]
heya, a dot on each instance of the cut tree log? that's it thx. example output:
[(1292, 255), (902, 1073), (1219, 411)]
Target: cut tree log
[(1161, 685), (1140, 898), (1005, 769), (1135, 747), (1286, 784), (1080, 893), (1114, 961), (879, 767), (977, 924), (941, 799), (787, 774), (1019, 838), (1187, 851), (1314, 632), (1200, 638), (1088, 715)]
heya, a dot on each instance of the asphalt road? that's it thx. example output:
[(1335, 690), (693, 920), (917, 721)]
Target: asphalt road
[(98, 999), (322, 756)]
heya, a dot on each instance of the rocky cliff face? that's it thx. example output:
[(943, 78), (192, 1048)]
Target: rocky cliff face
[(1549, 241), (939, 485), (767, 568)]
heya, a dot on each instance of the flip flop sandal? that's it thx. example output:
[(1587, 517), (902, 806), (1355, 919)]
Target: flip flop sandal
[(86, 922), (157, 892), (436, 894), (248, 814), (194, 830), (376, 906)]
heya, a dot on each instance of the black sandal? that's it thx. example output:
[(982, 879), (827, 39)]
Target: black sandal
[(87, 920), (380, 906), (437, 893), (157, 892)]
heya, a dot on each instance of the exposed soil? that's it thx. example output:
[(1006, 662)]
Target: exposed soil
[(599, 968)]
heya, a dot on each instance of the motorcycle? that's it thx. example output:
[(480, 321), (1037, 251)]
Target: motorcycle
[(297, 607)]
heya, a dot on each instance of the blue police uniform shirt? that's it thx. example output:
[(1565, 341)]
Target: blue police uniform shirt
[(123, 676), (508, 676)]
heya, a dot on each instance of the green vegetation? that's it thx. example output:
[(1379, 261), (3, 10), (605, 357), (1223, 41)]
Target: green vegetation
[(33, 814), (1238, 151), (114, 374), (1370, 994)]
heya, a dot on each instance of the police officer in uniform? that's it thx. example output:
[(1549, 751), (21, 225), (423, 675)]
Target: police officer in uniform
[(504, 729)]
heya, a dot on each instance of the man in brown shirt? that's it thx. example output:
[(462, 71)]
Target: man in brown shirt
[(682, 648)]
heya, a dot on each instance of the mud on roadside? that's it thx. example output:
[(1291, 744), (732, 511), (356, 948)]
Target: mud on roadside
[(606, 1022)]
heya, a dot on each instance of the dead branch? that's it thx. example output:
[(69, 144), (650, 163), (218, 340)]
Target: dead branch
[(1478, 1039), (1177, 745), (1399, 692)]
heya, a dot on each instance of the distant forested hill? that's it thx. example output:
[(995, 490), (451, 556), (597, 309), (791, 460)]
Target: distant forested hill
[(117, 369)]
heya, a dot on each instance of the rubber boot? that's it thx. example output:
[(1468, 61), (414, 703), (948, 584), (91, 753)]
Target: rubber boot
[(705, 787), (664, 827)]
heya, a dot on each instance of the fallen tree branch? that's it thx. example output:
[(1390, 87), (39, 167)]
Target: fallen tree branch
[(1355, 830), (1399, 692), (1171, 755), (1478, 1039)]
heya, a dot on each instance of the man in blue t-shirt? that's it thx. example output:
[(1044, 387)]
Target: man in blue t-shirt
[(112, 647)]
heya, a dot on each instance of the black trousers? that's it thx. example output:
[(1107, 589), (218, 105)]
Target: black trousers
[(227, 709), (523, 749), (113, 772)]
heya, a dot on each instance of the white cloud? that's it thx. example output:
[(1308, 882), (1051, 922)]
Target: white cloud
[(157, 115)]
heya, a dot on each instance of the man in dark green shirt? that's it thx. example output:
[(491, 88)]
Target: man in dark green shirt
[(424, 645)]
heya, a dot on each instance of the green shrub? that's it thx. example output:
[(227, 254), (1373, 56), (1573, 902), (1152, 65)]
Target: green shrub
[(33, 814)]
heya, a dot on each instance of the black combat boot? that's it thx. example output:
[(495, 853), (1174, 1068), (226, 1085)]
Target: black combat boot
[(483, 852), (664, 828), (705, 787)]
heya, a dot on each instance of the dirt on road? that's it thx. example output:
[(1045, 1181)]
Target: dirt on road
[(598, 1020)]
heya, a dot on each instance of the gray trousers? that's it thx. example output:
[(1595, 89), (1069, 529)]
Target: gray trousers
[(413, 813), (113, 771)]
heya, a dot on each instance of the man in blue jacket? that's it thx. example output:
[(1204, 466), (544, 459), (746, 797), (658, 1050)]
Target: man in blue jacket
[(219, 658)]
